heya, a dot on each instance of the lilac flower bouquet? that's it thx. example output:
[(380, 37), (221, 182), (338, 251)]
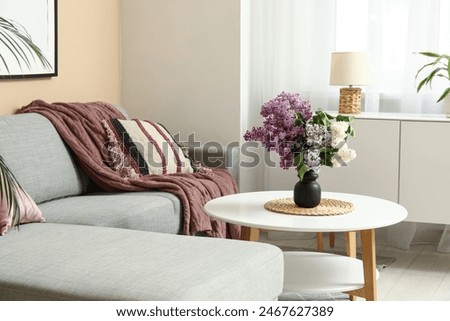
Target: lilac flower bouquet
[(302, 138)]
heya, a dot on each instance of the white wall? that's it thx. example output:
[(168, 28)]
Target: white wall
[(180, 65)]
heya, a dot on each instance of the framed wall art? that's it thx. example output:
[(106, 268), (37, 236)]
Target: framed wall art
[(28, 39)]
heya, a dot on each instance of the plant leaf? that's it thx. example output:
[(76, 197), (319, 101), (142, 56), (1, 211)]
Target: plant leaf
[(347, 119), (421, 84), (17, 40), (432, 75), (301, 170), (12, 46), (298, 158), (322, 118), (4, 63), (350, 131), (430, 54), (423, 67), (8, 187), (445, 94)]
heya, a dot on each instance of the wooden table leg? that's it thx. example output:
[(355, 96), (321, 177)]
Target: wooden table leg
[(332, 239), (249, 233), (350, 243), (350, 246), (368, 252), (319, 241)]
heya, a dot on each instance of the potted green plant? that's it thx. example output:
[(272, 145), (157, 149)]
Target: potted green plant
[(438, 67), (8, 196)]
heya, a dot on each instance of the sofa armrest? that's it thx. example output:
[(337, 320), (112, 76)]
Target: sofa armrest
[(215, 155), (122, 110)]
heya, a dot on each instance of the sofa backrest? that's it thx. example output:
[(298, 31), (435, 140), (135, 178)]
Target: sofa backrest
[(39, 158)]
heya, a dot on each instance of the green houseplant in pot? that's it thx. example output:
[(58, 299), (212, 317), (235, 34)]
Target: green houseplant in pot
[(8, 197), (439, 67)]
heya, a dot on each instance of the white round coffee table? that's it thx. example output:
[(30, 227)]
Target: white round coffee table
[(357, 277)]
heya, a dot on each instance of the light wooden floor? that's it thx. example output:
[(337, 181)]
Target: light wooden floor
[(418, 274)]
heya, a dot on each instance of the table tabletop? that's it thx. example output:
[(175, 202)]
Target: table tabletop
[(247, 209)]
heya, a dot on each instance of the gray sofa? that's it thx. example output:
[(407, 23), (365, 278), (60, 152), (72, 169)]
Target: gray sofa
[(113, 246)]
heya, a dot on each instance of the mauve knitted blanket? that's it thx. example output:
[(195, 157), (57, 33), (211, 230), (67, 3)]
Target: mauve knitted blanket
[(80, 125)]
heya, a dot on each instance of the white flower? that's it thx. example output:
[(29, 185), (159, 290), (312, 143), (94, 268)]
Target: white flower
[(338, 128), (343, 156), (337, 142), (338, 134)]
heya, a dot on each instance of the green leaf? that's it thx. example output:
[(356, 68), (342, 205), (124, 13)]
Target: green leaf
[(298, 158), (445, 94), (327, 150), (298, 161), (423, 67), (351, 131), (326, 154), (327, 160), (329, 117), (8, 187), (4, 63), (322, 118), (347, 119), (441, 68), (301, 170), (422, 83), (17, 41), (299, 122), (429, 54), (432, 75), (12, 46)]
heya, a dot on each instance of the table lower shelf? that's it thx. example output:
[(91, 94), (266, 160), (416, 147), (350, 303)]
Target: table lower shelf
[(317, 272)]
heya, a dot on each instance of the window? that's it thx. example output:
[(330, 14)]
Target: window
[(289, 44)]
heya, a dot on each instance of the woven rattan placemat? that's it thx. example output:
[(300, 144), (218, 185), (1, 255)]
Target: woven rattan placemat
[(326, 207)]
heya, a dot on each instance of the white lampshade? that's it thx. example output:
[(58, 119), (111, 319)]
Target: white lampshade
[(349, 69)]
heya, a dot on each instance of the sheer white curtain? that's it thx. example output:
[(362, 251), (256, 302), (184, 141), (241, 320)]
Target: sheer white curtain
[(290, 43), (286, 46), (396, 29)]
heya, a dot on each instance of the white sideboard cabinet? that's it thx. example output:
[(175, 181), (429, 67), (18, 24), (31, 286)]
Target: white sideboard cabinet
[(425, 171), (374, 171), (402, 158)]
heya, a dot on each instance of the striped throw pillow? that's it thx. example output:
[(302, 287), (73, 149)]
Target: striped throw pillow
[(144, 148)]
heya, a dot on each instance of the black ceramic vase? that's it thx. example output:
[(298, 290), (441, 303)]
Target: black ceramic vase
[(307, 192)]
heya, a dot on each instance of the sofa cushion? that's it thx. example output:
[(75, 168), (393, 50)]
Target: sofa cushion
[(38, 157), (74, 262), (147, 211)]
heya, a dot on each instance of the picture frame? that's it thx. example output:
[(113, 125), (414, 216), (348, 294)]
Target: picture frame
[(28, 39)]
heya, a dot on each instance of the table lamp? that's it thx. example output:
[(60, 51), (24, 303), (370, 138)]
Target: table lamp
[(349, 69)]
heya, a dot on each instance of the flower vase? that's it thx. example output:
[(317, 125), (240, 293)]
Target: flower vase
[(307, 192)]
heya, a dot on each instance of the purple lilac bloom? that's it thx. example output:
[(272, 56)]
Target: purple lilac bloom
[(279, 132), (303, 107)]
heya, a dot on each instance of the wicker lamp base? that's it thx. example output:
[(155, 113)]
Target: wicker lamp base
[(350, 100)]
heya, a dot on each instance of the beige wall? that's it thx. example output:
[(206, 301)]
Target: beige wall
[(89, 58), (180, 65)]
